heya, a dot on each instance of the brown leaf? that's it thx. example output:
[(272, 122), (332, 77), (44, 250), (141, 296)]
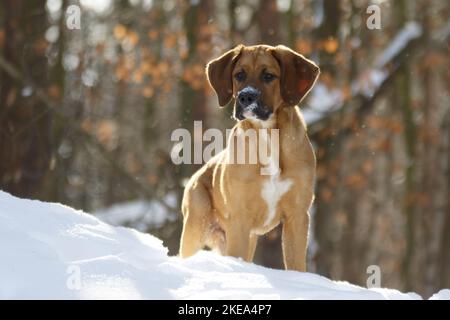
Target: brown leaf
[(132, 38), (54, 91), (303, 47), (170, 41), (106, 132), (355, 181), (326, 195), (120, 31), (148, 91), (330, 45)]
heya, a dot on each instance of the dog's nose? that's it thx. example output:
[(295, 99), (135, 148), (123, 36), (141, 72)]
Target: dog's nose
[(248, 95)]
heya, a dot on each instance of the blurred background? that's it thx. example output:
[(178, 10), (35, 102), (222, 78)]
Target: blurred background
[(88, 105)]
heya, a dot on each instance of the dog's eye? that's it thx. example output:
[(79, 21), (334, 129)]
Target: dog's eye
[(268, 77), (240, 76)]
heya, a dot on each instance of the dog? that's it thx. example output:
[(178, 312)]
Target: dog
[(226, 206)]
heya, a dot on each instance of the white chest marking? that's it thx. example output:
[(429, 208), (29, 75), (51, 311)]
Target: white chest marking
[(272, 191)]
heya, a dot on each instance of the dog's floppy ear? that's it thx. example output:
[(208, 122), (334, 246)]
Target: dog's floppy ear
[(219, 74), (298, 74)]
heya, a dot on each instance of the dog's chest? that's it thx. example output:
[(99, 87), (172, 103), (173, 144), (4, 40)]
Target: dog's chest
[(273, 189)]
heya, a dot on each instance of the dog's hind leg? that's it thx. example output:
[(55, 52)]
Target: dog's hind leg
[(196, 209), (252, 247)]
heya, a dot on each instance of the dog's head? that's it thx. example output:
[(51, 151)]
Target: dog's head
[(261, 79)]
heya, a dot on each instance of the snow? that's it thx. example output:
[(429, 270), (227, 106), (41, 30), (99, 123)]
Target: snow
[(444, 294), (139, 214), (369, 82), (98, 6), (51, 251), (322, 101)]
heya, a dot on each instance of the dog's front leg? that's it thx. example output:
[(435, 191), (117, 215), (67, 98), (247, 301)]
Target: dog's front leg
[(240, 242), (295, 238)]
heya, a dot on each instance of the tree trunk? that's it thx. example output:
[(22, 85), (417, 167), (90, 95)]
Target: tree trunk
[(25, 148)]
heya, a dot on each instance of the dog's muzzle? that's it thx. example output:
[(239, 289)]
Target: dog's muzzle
[(249, 105)]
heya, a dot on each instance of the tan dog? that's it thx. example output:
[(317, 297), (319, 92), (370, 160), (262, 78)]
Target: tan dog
[(227, 206)]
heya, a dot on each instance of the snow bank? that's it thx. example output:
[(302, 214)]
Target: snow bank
[(444, 294), (139, 214), (51, 251)]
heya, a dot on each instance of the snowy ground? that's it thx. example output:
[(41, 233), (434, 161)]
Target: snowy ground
[(50, 251)]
